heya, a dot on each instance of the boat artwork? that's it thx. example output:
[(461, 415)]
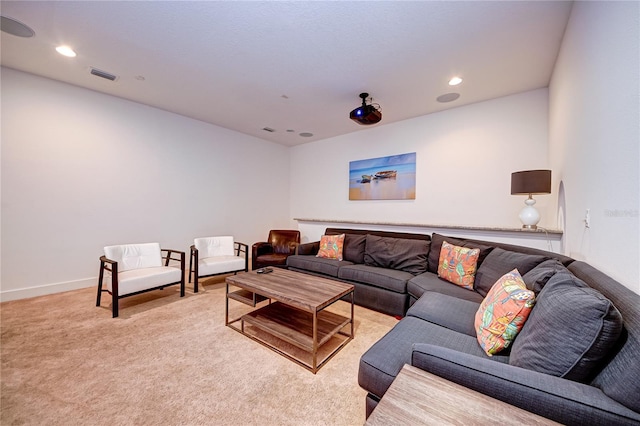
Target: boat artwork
[(385, 174)]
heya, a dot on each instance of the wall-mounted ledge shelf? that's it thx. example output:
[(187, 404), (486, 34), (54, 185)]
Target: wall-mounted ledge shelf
[(555, 232)]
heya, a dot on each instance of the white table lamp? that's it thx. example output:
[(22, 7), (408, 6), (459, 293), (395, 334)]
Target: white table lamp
[(530, 182)]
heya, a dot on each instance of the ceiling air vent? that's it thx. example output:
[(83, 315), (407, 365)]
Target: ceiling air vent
[(103, 74)]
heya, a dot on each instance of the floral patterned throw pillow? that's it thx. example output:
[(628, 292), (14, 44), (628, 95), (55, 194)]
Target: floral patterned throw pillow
[(331, 246), (458, 264), (503, 312)]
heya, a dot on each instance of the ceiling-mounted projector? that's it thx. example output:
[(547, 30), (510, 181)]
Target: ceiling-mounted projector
[(366, 114)]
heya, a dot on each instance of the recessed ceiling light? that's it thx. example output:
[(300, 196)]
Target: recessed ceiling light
[(306, 134), (455, 81), (66, 51), (15, 27), (448, 97)]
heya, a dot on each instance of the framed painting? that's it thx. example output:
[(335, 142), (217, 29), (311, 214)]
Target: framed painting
[(383, 178)]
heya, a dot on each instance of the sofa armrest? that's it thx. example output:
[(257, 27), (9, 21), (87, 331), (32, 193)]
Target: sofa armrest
[(308, 248), (553, 397)]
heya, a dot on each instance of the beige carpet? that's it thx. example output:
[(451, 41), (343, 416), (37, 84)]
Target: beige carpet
[(166, 360)]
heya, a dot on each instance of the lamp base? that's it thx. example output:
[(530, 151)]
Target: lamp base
[(529, 216)]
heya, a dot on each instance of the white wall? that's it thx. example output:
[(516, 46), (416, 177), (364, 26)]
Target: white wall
[(465, 157), (595, 136), (81, 170)]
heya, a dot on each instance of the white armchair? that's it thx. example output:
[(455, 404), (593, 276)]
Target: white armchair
[(216, 256), (136, 268)]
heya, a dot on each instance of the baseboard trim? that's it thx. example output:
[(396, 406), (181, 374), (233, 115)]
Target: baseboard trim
[(43, 290)]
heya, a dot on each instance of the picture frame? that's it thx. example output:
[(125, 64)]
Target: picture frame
[(383, 178)]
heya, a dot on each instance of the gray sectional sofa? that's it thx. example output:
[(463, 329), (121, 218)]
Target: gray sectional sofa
[(575, 361)]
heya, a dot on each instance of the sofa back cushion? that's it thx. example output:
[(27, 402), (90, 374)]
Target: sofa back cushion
[(135, 256), (353, 250), (499, 262), (619, 378), (396, 253), (570, 331), (538, 277)]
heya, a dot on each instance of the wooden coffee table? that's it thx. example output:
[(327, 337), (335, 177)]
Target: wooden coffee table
[(296, 313)]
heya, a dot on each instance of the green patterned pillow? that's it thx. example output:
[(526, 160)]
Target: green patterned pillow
[(503, 312), (458, 264), (331, 246)]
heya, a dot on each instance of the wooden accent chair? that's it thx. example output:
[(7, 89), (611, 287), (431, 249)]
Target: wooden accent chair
[(137, 268), (216, 256), (274, 252)]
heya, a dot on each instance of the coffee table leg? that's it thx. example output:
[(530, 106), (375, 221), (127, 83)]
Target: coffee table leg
[(315, 341), (226, 306), (352, 329)]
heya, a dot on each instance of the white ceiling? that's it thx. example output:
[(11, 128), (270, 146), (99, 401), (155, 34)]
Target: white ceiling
[(296, 65)]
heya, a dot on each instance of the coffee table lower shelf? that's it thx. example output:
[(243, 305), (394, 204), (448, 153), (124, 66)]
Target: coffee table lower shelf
[(295, 327)]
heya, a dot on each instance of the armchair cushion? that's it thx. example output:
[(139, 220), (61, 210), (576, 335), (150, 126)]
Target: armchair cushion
[(214, 246), (134, 280), (135, 256), (284, 241), (219, 265)]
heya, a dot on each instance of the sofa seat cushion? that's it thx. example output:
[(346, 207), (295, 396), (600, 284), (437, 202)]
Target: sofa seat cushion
[(397, 253), (134, 280), (430, 282), (499, 262), (318, 265), (437, 308), (569, 332), (389, 279), (384, 360), (220, 265)]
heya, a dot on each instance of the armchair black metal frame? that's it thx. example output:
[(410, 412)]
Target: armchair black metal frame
[(112, 266), (193, 263)]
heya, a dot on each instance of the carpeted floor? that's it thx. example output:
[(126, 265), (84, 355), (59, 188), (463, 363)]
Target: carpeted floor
[(166, 360)]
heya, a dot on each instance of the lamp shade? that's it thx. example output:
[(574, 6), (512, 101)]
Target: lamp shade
[(531, 182)]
